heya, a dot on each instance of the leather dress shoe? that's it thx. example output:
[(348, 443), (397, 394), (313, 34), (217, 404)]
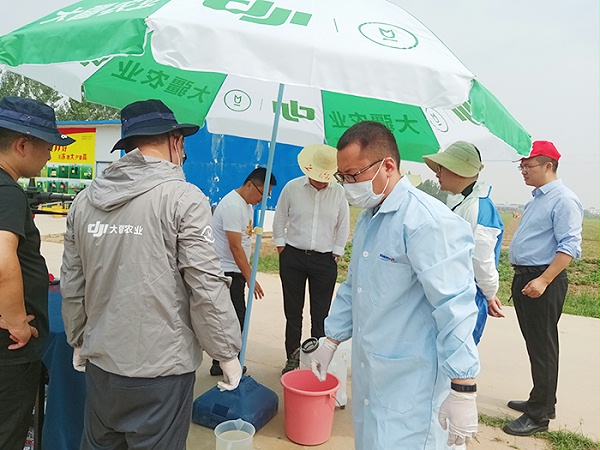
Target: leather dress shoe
[(521, 406), (525, 426)]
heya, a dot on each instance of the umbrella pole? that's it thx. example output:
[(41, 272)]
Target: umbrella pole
[(258, 230), (251, 401)]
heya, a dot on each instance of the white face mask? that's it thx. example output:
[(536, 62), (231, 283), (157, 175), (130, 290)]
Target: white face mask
[(361, 194), (180, 159)]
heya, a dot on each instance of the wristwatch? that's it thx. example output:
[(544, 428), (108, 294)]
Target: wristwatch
[(463, 387)]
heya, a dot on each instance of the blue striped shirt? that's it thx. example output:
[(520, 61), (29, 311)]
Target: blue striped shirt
[(551, 223)]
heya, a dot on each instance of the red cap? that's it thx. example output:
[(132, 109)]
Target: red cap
[(543, 148)]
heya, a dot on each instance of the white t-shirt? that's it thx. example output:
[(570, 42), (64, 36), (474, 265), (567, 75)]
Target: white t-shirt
[(232, 214)]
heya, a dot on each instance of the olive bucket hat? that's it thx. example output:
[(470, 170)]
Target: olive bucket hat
[(149, 118), (461, 157), (33, 118)]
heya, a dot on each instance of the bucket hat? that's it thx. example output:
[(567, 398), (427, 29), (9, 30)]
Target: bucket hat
[(33, 118), (318, 162), (542, 148), (148, 118), (461, 157)]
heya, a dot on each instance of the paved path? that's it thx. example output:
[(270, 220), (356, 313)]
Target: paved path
[(504, 375)]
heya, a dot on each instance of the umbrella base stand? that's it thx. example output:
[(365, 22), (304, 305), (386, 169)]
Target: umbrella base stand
[(251, 402)]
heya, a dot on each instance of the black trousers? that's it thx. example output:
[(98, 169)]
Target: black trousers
[(236, 292), (538, 320), (295, 268), (237, 295), (18, 389)]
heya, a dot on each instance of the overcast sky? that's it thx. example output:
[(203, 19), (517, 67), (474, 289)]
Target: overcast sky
[(538, 57)]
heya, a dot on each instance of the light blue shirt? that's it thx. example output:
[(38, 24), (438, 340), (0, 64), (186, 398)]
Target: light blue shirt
[(409, 305), (551, 223)]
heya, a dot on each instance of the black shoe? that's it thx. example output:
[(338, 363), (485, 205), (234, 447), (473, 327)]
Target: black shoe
[(525, 426), (215, 370), (521, 405), (292, 364), (517, 405)]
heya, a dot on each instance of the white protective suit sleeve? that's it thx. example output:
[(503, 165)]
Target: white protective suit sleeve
[(484, 260)]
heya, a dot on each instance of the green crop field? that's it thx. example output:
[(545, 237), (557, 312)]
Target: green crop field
[(582, 298)]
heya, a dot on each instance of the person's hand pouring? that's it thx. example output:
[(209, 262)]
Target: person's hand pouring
[(321, 358)]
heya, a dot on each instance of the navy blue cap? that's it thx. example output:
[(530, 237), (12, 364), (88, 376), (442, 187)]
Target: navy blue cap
[(33, 118), (149, 118)]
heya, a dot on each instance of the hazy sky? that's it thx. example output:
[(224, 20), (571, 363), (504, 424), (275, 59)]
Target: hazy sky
[(538, 57)]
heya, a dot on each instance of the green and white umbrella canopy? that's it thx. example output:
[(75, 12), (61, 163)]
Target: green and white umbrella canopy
[(341, 61)]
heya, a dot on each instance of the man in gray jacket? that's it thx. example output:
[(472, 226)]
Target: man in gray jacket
[(143, 292)]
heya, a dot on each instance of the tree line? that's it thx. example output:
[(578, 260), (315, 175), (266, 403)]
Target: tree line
[(66, 108)]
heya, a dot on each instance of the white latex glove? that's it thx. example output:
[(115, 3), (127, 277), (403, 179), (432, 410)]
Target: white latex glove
[(321, 358), (232, 374), (460, 410), (78, 361)]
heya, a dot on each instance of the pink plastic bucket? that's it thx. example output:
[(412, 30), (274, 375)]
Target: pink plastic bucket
[(309, 406)]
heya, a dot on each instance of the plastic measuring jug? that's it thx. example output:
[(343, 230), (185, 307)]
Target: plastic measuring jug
[(234, 435)]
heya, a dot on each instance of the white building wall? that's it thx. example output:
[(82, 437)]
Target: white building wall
[(106, 137)]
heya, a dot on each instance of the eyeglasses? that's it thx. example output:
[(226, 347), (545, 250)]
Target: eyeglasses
[(526, 168), (438, 169), (259, 191), (351, 178)]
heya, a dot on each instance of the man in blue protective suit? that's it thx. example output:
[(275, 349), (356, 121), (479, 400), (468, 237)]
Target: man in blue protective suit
[(457, 169), (408, 303)]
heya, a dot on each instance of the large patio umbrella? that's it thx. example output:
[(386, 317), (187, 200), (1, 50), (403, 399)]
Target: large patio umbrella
[(341, 62), (293, 71)]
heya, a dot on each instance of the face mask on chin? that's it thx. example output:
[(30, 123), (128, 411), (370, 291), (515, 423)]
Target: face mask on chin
[(361, 194)]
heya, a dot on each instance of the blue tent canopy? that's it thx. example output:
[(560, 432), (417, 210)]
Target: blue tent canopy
[(218, 164)]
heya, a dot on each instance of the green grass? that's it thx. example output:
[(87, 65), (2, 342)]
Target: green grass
[(491, 421), (268, 263), (558, 440), (582, 297), (567, 440)]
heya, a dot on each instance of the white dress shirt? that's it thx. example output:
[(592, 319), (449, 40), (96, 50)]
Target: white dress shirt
[(309, 219)]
